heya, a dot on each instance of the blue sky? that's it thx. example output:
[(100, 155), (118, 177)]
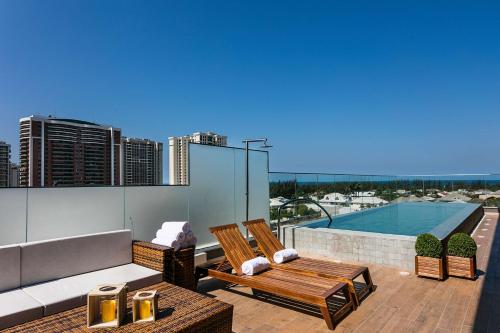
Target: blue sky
[(337, 86)]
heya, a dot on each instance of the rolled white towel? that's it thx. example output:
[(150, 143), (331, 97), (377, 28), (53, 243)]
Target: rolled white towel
[(255, 265), (190, 240), (173, 244), (285, 255), (183, 226), (171, 235)]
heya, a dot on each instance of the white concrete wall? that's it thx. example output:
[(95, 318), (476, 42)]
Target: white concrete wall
[(353, 246)]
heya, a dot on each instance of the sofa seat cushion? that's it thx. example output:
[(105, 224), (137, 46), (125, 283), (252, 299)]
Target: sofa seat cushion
[(17, 307), (67, 293)]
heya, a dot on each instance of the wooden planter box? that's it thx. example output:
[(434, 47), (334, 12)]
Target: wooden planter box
[(461, 267), (429, 267)]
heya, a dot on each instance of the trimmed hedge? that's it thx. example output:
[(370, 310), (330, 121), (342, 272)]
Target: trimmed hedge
[(462, 245), (428, 245)]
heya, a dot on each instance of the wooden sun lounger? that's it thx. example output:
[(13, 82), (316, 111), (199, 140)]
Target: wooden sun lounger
[(269, 245), (313, 290)]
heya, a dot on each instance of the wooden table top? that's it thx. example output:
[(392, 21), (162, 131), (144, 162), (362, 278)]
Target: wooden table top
[(179, 310)]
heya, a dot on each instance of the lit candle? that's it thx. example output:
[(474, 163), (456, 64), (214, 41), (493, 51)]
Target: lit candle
[(108, 308), (144, 309)]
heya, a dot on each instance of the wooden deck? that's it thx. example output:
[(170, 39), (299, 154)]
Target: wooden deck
[(401, 303)]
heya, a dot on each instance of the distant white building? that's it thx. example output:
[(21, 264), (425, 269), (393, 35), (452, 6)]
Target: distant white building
[(178, 152), (276, 202), (453, 197), (495, 194), (482, 192), (334, 198), (403, 192), (365, 194), (372, 201)]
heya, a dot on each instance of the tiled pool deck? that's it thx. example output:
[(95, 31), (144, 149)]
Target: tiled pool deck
[(401, 303)]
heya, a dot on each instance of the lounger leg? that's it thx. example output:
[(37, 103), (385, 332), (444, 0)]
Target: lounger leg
[(368, 280), (349, 298), (354, 296), (328, 318)]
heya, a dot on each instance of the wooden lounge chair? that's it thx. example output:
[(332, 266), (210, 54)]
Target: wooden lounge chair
[(313, 290), (269, 245)]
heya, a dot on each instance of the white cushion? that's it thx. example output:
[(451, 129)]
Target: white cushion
[(17, 307), (63, 294), (58, 258), (285, 255), (10, 267), (254, 266)]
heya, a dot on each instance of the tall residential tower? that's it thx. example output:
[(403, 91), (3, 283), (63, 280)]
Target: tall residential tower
[(4, 164), (179, 153), (68, 152), (142, 162)]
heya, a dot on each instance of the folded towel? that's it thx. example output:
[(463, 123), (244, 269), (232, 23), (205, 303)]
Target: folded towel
[(183, 226), (173, 244), (190, 239), (285, 255), (171, 235), (254, 266)]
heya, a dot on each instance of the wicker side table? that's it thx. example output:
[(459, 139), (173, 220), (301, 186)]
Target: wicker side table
[(182, 268), (177, 266)]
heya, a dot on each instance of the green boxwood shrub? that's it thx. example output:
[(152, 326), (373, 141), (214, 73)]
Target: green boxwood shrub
[(462, 245), (428, 245)]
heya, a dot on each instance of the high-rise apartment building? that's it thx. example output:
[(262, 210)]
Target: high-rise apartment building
[(4, 164), (68, 152), (179, 153), (142, 162), (14, 175)]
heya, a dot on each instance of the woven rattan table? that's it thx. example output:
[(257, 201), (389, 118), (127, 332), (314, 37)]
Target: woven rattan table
[(180, 310)]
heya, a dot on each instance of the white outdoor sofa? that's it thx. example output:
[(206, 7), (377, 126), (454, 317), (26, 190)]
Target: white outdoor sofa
[(45, 277)]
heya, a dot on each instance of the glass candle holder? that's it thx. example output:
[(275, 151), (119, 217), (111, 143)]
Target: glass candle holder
[(108, 309), (145, 306), (144, 309)]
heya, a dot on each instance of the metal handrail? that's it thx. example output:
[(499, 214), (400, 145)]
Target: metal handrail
[(297, 200)]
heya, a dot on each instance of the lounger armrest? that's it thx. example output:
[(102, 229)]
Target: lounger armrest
[(151, 255)]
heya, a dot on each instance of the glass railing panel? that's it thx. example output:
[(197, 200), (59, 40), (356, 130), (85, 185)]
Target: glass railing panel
[(13, 203), (69, 211), (343, 193), (306, 188), (147, 207)]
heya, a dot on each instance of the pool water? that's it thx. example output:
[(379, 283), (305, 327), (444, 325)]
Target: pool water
[(411, 218)]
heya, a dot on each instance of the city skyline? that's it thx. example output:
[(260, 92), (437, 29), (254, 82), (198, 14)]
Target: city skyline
[(389, 89)]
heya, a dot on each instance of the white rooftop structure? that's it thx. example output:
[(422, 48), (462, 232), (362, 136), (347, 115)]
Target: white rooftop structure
[(454, 196), (276, 202)]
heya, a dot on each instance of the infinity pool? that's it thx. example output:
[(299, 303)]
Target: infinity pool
[(410, 219)]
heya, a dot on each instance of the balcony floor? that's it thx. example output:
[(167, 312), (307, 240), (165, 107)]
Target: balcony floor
[(401, 303)]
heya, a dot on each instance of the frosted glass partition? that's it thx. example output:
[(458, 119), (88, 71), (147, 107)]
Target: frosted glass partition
[(12, 215), (258, 185), (146, 207), (215, 196), (217, 188), (61, 212)]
